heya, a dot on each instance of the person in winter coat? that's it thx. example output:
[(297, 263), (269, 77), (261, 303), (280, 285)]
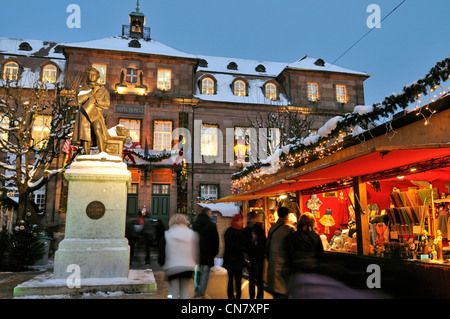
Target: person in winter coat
[(255, 247), (304, 255), (276, 254), (209, 248), (132, 233), (233, 257), (178, 254), (150, 236)]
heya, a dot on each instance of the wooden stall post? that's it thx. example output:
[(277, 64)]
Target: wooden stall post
[(361, 216), (300, 204), (244, 213), (266, 215)]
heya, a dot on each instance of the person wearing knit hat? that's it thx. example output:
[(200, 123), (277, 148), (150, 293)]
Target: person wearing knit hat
[(233, 257)]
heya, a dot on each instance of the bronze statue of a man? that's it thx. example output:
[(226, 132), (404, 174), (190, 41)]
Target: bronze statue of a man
[(90, 125)]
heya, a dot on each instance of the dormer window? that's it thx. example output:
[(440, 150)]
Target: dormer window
[(134, 44), (25, 46), (260, 68), (232, 66), (319, 62), (207, 86), (49, 73), (239, 88), (270, 92), (58, 49), (11, 71)]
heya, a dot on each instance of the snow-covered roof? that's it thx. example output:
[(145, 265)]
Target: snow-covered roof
[(247, 67), (120, 43), (309, 63), (44, 49), (272, 69), (225, 93)]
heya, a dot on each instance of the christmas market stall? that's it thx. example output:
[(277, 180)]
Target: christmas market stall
[(378, 193)]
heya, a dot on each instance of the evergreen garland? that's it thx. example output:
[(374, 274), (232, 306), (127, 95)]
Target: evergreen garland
[(439, 73), (154, 158)]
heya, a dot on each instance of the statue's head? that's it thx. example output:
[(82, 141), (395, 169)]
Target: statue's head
[(92, 75)]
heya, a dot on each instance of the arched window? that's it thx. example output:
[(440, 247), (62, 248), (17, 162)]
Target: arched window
[(208, 86), (271, 92), (49, 73), (239, 88), (11, 71)]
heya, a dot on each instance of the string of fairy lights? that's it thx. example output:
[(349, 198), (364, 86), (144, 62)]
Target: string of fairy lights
[(323, 145)]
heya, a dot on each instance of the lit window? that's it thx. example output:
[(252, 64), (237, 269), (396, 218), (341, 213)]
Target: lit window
[(49, 73), (41, 130), (164, 79), (341, 93), (162, 135), (4, 125), (132, 75), (11, 71), (161, 189), (313, 91), (133, 188), (102, 69), (209, 191), (39, 198), (134, 126), (273, 140), (209, 140), (241, 144), (271, 91), (207, 86), (239, 88)]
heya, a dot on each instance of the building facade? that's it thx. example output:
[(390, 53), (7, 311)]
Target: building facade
[(217, 103)]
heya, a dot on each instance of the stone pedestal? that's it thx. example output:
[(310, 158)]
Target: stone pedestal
[(94, 249), (95, 221)]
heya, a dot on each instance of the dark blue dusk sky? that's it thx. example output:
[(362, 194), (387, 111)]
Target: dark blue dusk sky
[(410, 41)]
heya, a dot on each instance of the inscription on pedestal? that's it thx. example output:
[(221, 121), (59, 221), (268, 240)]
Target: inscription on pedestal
[(95, 210)]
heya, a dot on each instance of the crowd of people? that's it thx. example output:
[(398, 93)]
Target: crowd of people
[(293, 251)]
